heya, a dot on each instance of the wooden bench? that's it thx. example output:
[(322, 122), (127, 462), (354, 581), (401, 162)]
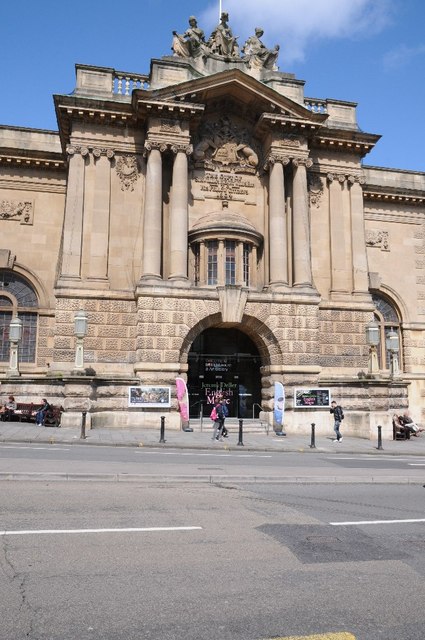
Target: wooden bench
[(26, 412), (399, 431)]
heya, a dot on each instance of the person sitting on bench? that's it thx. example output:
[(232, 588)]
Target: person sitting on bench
[(408, 423), (8, 410), (41, 413)]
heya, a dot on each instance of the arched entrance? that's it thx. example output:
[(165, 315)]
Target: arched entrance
[(226, 362)]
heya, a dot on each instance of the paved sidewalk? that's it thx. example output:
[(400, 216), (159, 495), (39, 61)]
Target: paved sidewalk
[(15, 432)]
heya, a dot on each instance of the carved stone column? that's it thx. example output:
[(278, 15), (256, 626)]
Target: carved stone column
[(98, 238), (360, 265), (152, 224), (339, 271), (301, 224), (179, 216), (73, 221), (278, 247)]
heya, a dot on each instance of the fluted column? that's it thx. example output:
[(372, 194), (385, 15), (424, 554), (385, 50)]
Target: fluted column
[(152, 224), (278, 247), (301, 224), (179, 216), (74, 211), (337, 234), (98, 238), (360, 266)]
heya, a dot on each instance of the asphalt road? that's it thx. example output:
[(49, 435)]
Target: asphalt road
[(130, 463), (112, 561)]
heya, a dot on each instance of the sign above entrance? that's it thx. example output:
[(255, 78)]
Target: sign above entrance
[(311, 398)]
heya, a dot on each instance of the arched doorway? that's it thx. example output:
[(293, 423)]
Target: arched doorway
[(224, 362)]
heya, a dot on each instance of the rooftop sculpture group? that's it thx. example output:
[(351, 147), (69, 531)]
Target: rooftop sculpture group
[(222, 43)]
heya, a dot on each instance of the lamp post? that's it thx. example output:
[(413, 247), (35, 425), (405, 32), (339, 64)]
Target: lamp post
[(372, 339), (15, 335), (392, 344), (80, 331)]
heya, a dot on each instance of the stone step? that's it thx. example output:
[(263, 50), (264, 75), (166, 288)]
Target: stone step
[(232, 425)]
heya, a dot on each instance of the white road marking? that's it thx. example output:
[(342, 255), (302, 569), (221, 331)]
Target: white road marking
[(346, 524), (50, 448), (416, 464), (126, 530), (215, 454)]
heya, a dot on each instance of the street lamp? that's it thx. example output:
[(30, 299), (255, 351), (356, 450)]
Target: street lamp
[(80, 331), (15, 335), (392, 344), (372, 339)]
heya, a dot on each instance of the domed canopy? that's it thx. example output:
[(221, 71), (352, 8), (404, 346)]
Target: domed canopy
[(225, 224)]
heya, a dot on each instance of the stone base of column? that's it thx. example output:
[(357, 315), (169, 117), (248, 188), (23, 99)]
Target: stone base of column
[(150, 278), (178, 281), (279, 287)]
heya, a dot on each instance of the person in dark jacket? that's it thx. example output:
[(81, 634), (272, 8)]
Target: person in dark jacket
[(338, 413), (41, 413)]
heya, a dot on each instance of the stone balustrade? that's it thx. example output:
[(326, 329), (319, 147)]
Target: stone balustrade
[(124, 83), (316, 105)]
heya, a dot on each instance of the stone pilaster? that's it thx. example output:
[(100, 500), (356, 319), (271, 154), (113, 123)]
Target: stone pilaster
[(360, 265), (98, 238), (179, 216), (339, 270), (278, 242), (301, 224), (70, 269), (152, 225)]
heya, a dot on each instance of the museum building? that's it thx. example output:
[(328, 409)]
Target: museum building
[(209, 222)]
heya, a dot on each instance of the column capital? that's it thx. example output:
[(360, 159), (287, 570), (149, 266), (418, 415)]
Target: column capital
[(182, 148), (302, 162), (276, 158), (151, 145)]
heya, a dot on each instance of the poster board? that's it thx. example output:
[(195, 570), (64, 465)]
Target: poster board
[(146, 397), (312, 398)]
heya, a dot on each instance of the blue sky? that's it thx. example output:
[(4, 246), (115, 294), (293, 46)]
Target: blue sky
[(367, 51)]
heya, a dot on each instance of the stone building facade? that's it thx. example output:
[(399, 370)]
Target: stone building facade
[(215, 225)]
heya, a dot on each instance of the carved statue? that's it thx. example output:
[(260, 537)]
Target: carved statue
[(222, 42), (224, 144), (257, 54), (190, 44)]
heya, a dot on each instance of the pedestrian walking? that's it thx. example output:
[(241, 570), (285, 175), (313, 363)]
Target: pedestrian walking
[(338, 414), (224, 412)]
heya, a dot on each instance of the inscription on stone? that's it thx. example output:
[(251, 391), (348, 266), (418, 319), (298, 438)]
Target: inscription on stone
[(224, 187)]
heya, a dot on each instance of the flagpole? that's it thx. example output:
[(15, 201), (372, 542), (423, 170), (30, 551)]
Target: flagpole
[(219, 9)]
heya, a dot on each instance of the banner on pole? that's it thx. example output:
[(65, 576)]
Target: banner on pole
[(279, 405), (183, 400)]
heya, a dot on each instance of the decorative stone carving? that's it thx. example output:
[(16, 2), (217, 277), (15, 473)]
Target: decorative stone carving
[(377, 238), (223, 44), (225, 146), (154, 144), (190, 44), (233, 301), (306, 162), (170, 126), (315, 189), (7, 259), (128, 171), (16, 210), (257, 55)]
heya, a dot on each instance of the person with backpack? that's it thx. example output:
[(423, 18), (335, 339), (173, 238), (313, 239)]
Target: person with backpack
[(224, 411), (336, 409), (218, 416)]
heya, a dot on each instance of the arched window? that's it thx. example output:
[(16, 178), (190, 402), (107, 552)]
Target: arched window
[(17, 297), (388, 319), (225, 249)]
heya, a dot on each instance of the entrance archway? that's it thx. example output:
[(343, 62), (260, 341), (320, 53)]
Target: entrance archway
[(224, 362)]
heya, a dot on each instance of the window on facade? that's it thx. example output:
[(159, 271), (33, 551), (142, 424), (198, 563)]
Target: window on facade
[(17, 297), (230, 248), (387, 318), (212, 246), (246, 252)]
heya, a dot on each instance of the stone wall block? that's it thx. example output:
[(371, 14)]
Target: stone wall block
[(44, 352), (63, 343), (112, 356), (111, 331), (149, 355), (127, 344), (93, 343), (96, 317), (62, 355), (64, 317)]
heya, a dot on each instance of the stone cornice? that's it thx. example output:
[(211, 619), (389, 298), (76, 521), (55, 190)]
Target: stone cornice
[(145, 107), (23, 160), (346, 141), (374, 195)]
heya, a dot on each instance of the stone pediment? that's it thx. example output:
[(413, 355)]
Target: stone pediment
[(230, 87)]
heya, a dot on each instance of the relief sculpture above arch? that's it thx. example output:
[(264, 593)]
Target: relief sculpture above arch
[(225, 146)]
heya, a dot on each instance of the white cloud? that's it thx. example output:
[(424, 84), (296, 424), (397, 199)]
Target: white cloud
[(402, 56), (293, 24)]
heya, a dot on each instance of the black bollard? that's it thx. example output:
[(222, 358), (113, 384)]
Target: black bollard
[(162, 438), (313, 436), (83, 426), (379, 437), (240, 442)]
